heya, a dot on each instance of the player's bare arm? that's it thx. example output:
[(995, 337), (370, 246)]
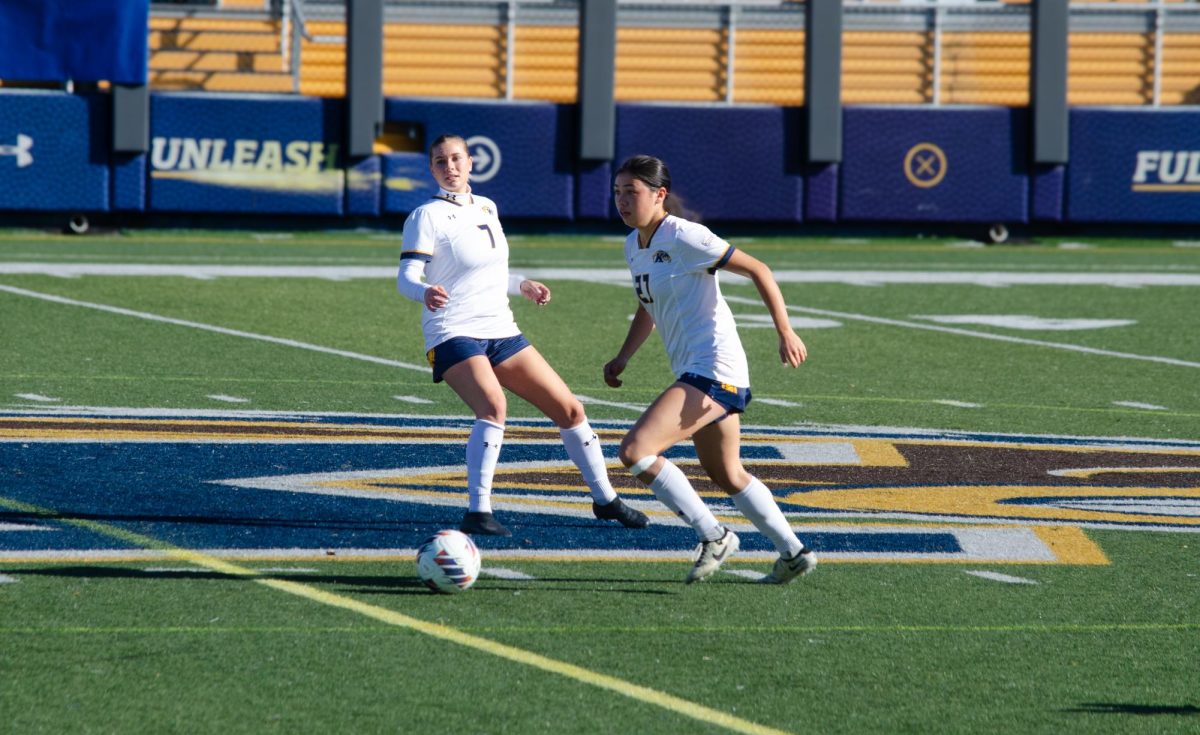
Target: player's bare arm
[(791, 348), (639, 329)]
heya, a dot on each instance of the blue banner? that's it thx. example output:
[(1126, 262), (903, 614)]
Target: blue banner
[(1134, 166), (522, 153), (90, 41), (254, 155), (727, 163), (935, 165), (54, 151)]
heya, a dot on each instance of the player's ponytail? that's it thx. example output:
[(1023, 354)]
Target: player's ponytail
[(654, 174)]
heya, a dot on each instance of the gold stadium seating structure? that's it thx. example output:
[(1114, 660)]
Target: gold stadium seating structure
[(668, 64), (217, 55)]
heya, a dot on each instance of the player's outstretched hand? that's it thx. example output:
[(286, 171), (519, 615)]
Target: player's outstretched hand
[(436, 297), (612, 369), (792, 350), (536, 292)]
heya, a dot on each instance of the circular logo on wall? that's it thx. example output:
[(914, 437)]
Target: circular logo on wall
[(925, 165), (485, 155)]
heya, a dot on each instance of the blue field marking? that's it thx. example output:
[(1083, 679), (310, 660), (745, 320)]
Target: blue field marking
[(166, 490), (221, 481)]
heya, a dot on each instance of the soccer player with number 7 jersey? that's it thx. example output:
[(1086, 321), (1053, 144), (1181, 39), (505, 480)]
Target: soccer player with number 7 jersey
[(454, 261), (674, 263)]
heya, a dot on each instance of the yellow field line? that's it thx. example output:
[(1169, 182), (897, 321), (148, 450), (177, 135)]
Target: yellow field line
[(443, 632)]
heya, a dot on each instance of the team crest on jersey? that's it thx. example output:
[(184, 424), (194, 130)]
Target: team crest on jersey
[(662, 256)]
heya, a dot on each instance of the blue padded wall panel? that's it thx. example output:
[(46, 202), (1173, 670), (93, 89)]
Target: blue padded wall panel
[(727, 163), (935, 165), (1134, 166), (522, 153), (54, 151), (246, 154)]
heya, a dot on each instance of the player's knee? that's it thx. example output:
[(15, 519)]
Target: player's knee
[(572, 415), (732, 480), (630, 452), (495, 409)]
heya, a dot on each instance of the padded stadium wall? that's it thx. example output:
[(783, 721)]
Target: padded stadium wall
[(284, 155)]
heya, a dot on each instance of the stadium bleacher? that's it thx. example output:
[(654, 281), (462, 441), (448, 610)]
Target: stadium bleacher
[(247, 45)]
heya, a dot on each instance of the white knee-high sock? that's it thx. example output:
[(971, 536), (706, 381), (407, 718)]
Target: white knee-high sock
[(756, 502), (583, 447), (483, 451), (673, 490)]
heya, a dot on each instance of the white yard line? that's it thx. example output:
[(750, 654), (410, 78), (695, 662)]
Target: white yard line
[(980, 335), (36, 397), (598, 402), (227, 399), (621, 277), (412, 399), (998, 577), (211, 328), (618, 275), (506, 573), (1136, 404)]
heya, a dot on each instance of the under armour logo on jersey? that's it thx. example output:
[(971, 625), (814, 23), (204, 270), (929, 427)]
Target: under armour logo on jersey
[(662, 256)]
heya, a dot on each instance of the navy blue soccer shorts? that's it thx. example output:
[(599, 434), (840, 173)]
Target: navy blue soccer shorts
[(456, 349), (733, 398)]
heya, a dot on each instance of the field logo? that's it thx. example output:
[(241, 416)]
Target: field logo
[(1167, 171), (485, 158), (925, 165), (377, 486), (20, 151)]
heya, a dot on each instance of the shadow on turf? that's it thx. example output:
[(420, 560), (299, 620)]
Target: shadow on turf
[(1114, 708), (358, 584)]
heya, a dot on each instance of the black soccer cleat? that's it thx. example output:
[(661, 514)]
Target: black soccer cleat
[(483, 524), (618, 511)]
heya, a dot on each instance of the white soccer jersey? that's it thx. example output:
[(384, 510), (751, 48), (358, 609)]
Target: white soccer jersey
[(675, 278), (460, 239)]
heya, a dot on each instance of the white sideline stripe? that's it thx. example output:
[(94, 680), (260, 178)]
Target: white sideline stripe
[(599, 402), (5, 579), (227, 399), (807, 429), (619, 275), (958, 404), (412, 399), (21, 527), (778, 402), (998, 577), (36, 397), (210, 328), (1135, 404), (747, 573), (506, 573), (973, 333)]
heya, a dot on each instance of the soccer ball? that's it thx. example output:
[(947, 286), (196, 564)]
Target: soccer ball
[(448, 562)]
